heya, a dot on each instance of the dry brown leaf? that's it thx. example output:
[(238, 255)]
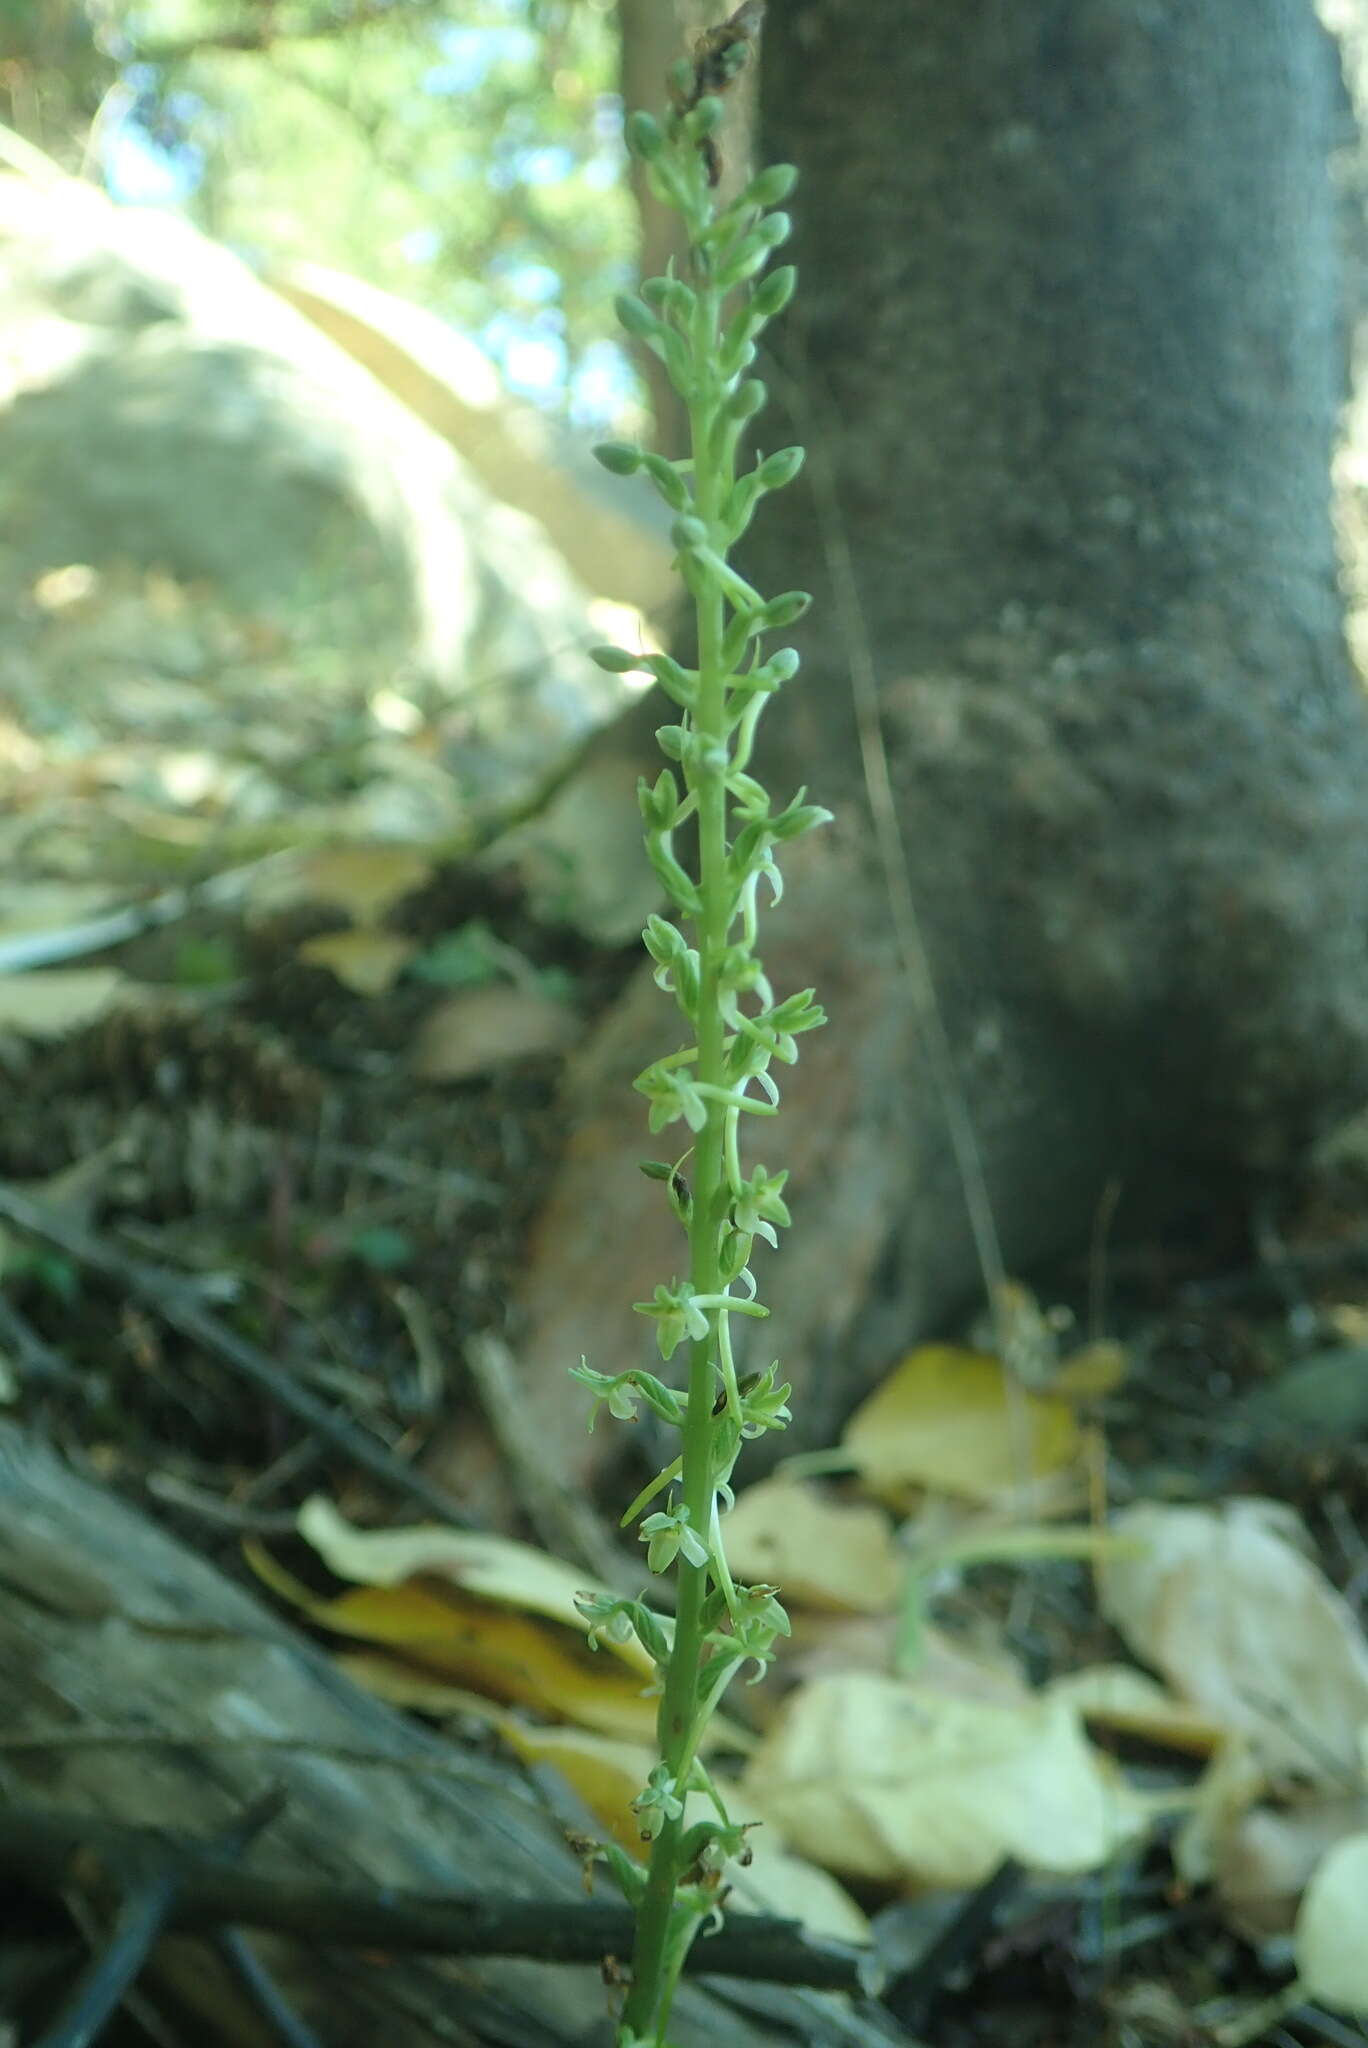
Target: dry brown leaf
[(1244, 1627), (821, 1553), (950, 1421), (365, 958), (880, 1779), (489, 1027)]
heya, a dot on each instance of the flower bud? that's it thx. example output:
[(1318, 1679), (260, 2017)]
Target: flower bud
[(746, 400), (616, 660), (619, 458), (704, 118), (667, 480), (637, 318), (780, 468), (782, 611), (773, 293), (643, 136), (771, 188)]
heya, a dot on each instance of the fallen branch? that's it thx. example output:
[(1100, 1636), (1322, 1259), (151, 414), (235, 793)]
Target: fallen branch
[(199, 1888)]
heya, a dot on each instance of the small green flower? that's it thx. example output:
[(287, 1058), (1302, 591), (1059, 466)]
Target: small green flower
[(657, 1803), (677, 1315), (764, 1403), (667, 1535), (610, 1620)]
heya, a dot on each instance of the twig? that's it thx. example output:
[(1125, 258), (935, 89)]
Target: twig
[(170, 1297), (56, 1851), (146, 1911), (101, 1989), (909, 1997), (261, 1987)]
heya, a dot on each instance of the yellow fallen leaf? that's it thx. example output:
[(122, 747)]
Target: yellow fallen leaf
[(1118, 1696), (1331, 1953), (822, 1554), (880, 1779), (1244, 1627), (450, 1638), (458, 1607), (365, 958), (949, 1420), (606, 1774), (490, 1567), (365, 881)]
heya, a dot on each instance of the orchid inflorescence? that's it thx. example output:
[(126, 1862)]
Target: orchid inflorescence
[(705, 330)]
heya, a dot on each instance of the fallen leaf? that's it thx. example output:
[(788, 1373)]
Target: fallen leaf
[(1332, 1955), (451, 1639), (1119, 1697), (1227, 1788), (365, 958), (460, 1607), (49, 1003), (1267, 1858), (777, 1880), (822, 1645), (606, 1774), (820, 1552), (494, 1568), (1244, 1627), (883, 1780), (490, 1027), (365, 881), (951, 1421)]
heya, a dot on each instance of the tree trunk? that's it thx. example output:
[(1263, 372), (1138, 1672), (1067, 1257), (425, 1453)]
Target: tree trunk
[(1068, 356)]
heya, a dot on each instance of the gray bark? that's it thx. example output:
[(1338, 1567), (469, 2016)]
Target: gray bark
[(1068, 346)]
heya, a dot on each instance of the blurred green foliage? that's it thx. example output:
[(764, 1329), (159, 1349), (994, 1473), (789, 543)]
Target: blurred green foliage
[(465, 154)]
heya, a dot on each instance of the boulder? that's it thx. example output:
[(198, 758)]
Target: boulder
[(163, 410)]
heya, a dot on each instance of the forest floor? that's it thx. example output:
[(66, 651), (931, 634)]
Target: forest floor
[(328, 1102)]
